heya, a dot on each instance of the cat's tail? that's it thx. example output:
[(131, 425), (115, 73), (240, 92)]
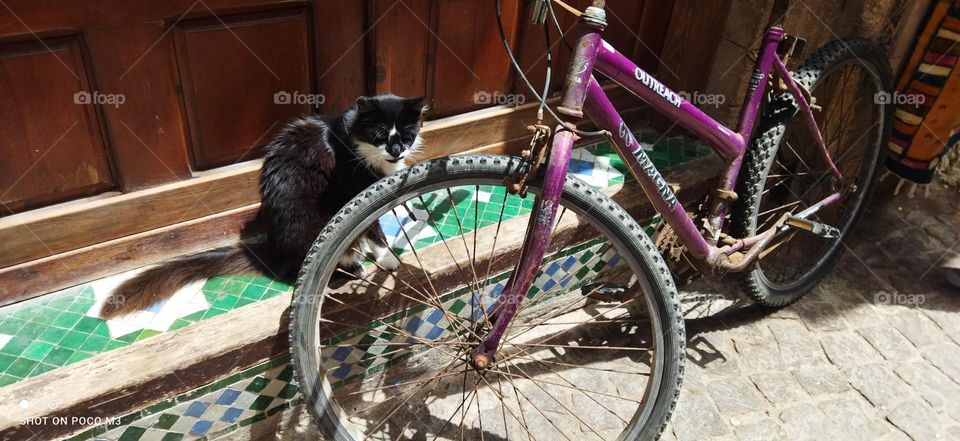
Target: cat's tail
[(163, 281)]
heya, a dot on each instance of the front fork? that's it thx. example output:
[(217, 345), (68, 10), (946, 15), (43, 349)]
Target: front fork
[(544, 214), (539, 230)]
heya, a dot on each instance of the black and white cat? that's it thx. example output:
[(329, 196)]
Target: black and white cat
[(311, 169)]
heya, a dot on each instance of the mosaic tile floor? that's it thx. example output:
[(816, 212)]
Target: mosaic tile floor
[(61, 328)]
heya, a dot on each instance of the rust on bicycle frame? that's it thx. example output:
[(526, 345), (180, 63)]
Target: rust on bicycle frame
[(582, 95)]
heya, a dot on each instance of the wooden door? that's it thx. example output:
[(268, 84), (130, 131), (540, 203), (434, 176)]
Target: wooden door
[(129, 121)]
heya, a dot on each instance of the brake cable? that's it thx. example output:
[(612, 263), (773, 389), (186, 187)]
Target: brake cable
[(541, 98)]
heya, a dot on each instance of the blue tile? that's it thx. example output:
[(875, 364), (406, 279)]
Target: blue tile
[(550, 284), (231, 415), (497, 290), (580, 167), (341, 353), (554, 266), (390, 226), (569, 263), (156, 307), (435, 316), (435, 333), (413, 325), (342, 371), (201, 427), (228, 397), (196, 409)]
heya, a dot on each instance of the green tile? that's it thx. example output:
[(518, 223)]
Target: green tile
[(147, 333), (129, 338), (225, 301), (170, 436), (11, 325), (166, 421), (102, 330), (79, 355), (80, 307), (132, 433), (261, 403), (115, 344), (213, 312), (53, 335), (58, 356), (215, 284), (32, 330), (94, 343), (67, 319), (177, 324), (25, 312), (87, 324), (45, 315), (240, 302), (21, 367), (288, 391), (16, 345), (42, 368), (74, 340), (257, 385), (6, 380), (286, 374), (37, 350), (5, 361), (254, 292)]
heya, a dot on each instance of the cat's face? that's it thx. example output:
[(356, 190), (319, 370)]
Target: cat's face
[(387, 130)]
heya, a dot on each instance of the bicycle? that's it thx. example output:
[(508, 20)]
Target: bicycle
[(460, 342)]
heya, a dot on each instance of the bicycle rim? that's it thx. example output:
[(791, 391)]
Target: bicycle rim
[(852, 127), (580, 360)]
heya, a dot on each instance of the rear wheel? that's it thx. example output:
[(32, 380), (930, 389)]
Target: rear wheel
[(784, 171), (596, 351)]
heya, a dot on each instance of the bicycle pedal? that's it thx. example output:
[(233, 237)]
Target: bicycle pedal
[(818, 228)]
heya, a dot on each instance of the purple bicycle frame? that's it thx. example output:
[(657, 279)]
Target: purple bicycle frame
[(582, 95)]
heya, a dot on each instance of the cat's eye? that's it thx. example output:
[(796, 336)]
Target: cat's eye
[(381, 137)]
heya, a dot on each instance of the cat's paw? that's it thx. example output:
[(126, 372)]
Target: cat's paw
[(354, 268), (352, 265), (388, 261)]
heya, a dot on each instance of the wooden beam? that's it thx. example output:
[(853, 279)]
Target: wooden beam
[(38, 277), (58, 229), (123, 380)]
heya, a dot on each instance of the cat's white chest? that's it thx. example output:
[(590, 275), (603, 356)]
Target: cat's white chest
[(375, 158)]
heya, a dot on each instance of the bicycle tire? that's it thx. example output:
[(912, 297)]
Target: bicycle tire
[(763, 151), (305, 309)]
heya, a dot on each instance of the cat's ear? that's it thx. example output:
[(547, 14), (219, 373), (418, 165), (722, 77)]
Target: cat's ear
[(365, 103), (418, 104)]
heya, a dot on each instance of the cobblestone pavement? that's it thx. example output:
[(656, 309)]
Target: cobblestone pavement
[(873, 353)]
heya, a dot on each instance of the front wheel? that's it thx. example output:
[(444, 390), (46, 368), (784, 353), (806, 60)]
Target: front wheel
[(596, 351), (784, 171)]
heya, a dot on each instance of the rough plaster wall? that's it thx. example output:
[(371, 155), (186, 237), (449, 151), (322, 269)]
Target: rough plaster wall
[(819, 21)]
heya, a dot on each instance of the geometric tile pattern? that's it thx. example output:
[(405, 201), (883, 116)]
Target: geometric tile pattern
[(349, 356), (208, 412), (61, 328)]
